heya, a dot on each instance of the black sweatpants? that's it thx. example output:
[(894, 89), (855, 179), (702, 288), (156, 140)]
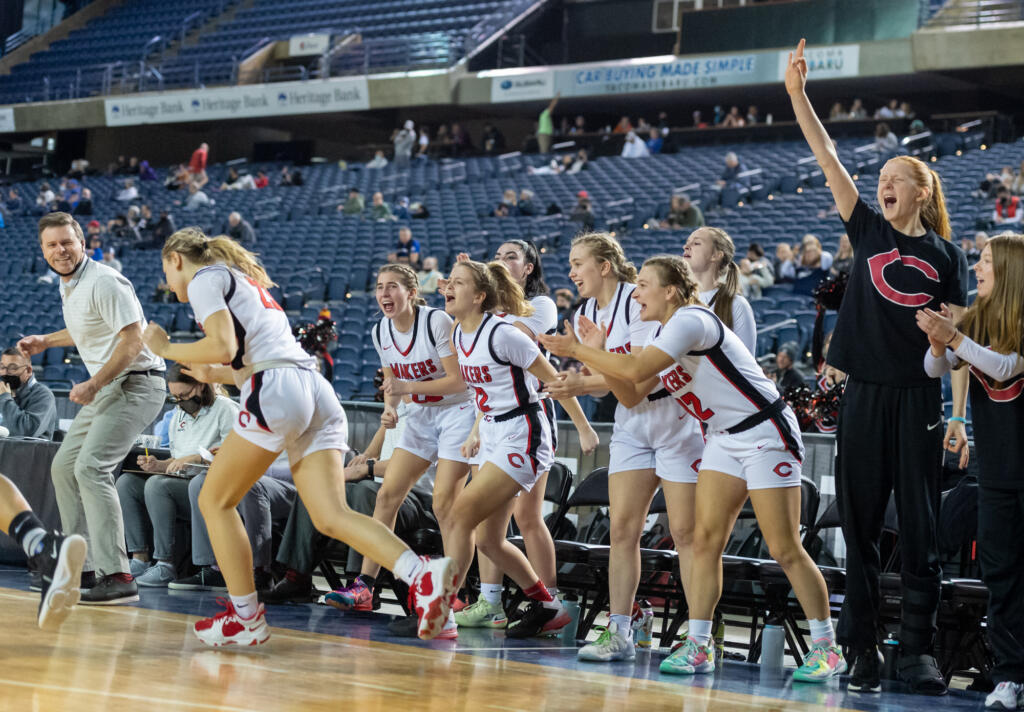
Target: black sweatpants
[(1001, 550), (890, 438)]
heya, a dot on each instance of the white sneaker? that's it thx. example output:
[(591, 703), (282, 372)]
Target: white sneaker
[(226, 628), (609, 647), (1006, 696), (431, 595)]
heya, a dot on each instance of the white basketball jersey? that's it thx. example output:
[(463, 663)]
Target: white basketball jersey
[(544, 320), (621, 318), (493, 360), (261, 326), (416, 355), (716, 378)]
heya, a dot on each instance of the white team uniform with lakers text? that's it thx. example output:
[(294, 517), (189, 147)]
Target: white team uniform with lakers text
[(650, 435), (717, 380), (544, 320), (514, 435), (286, 403), (435, 426)]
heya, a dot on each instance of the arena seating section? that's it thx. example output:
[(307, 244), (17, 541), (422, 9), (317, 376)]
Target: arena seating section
[(319, 256), (397, 34)]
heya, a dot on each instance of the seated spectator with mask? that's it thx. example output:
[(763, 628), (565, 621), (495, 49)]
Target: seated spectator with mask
[(153, 504), (682, 214), (785, 375), (27, 407)]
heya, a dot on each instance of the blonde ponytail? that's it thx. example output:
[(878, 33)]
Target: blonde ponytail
[(674, 271), (197, 248), (501, 292), (730, 286), (604, 247)]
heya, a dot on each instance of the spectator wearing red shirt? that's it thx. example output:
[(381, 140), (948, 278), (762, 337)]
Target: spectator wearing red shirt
[(197, 165), (261, 180), (1008, 210)]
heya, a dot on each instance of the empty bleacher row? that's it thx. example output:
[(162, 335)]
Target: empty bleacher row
[(319, 256)]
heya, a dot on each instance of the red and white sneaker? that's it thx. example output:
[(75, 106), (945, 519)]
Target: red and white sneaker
[(431, 594), (226, 628)]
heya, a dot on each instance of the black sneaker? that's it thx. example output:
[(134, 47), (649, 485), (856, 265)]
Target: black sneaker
[(59, 566), (289, 590), (263, 579), (88, 579), (866, 675), (111, 590), (207, 579), (405, 627), (539, 620), (35, 580)]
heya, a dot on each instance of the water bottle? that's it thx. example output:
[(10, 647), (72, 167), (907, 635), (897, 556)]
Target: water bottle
[(642, 623), (773, 646), (571, 605), (769, 119), (890, 651)]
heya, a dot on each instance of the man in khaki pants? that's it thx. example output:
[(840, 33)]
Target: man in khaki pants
[(124, 394)]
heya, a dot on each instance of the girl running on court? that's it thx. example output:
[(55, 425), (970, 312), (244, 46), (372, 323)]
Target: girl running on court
[(287, 406), (653, 443), (415, 349), (903, 260), (709, 252), (522, 261), (989, 342), (753, 448)]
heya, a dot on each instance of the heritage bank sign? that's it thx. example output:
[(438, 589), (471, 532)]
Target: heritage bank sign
[(240, 102)]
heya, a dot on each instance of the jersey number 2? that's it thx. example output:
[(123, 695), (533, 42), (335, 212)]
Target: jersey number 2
[(268, 301), (481, 400), (691, 403)]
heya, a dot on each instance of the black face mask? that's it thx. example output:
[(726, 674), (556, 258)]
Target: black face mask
[(191, 405), (13, 381)]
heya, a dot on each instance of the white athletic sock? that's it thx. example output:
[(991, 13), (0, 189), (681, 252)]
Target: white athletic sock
[(408, 566), (491, 592), (450, 623), (246, 606), (33, 541), (622, 626), (822, 629), (700, 631)]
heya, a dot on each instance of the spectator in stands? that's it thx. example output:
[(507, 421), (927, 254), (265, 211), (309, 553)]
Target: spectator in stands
[(196, 198), (379, 210), (177, 178), (623, 127), (290, 177), (78, 168), (967, 245), (197, 165), (122, 396), (146, 171), (733, 120), (379, 161), (526, 206), (583, 211), (403, 141), (579, 126), (428, 276), (110, 261), (752, 115), (128, 193), (654, 141), (442, 141), (905, 111), (546, 126), (241, 231), (1017, 186), (885, 140), (731, 175), (418, 211), (84, 206), (462, 144), (262, 180), (493, 140), (355, 203), (27, 407), (71, 193), (980, 240), (133, 166), (118, 167), (161, 230), (843, 262), (237, 181), (785, 375), (579, 163), (45, 198), (424, 143), (785, 263), (96, 248), (1008, 209), (507, 206), (889, 110), (837, 112), (14, 204), (812, 258), (564, 304), (857, 110), (633, 147), (682, 214), (756, 273), (407, 250)]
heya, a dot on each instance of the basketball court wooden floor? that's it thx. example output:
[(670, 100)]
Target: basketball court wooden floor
[(145, 658)]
